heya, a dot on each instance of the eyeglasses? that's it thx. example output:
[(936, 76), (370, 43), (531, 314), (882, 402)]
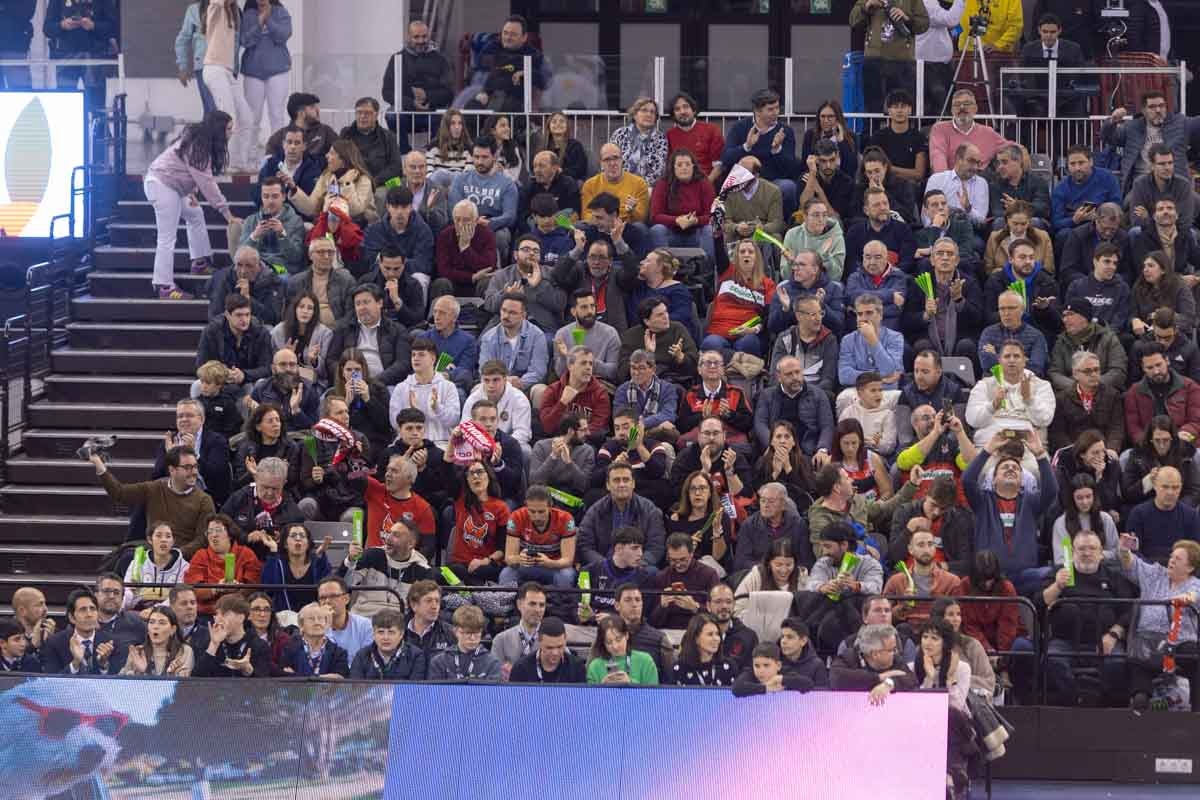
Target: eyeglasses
[(477, 473), (712, 362), (188, 467), (529, 249), (110, 591), (300, 535), (57, 723)]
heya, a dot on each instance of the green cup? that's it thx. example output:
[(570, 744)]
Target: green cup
[(578, 336)]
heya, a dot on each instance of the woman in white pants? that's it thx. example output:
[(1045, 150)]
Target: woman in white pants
[(189, 165), (221, 22), (266, 62)]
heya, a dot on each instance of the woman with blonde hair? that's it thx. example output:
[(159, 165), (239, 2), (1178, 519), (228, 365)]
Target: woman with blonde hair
[(737, 316)]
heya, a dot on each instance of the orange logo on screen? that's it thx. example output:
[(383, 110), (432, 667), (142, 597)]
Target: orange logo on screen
[(26, 168)]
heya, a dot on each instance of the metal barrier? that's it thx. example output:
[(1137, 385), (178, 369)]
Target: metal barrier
[(1099, 604)]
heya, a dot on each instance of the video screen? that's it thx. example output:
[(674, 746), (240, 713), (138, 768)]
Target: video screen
[(41, 142)]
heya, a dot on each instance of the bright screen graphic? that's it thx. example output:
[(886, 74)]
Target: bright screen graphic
[(41, 143), (571, 743)]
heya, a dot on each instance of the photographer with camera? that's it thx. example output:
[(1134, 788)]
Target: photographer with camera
[(890, 53), (997, 23)]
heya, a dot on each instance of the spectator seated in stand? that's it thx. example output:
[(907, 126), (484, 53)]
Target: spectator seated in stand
[(1013, 182), (680, 206), (832, 127), (875, 172), (578, 392), (944, 513), (476, 554), (466, 254), (744, 295), (566, 461), (1158, 286), (1017, 224), (600, 338), (540, 543), (1087, 403), (407, 234), (1044, 310), (427, 77), (940, 221), (881, 278), (965, 189), (808, 279), (684, 572), (333, 474), (829, 605), (382, 341), (292, 165), (511, 404), (875, 411), (773, 521), (275, 232), (1161, 388), (712, 395), (648, 458), (1107, 292), (903, 143), (701, 662), (381, 153), (499, 70), (429, 391), (1080, 333), (618, 508), (673, 348), (516, 342), (771, 141), (1076, 199), (284, 389), (758, 206), (493, 193), (630, 190), (547, 177), (239, 342), (824, 180), (777, 572), (555, 240), (871, 347), (312, 654), (346, 176), (808, 340), (468, 659), (821, 233), (881, 224), (390, 656), (544, 301), (946, 137)]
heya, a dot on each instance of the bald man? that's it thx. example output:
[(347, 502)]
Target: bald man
[(30, 612), (1161, 520), (629, 189)]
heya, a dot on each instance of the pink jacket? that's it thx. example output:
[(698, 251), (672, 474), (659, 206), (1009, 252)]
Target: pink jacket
[(171, 170)]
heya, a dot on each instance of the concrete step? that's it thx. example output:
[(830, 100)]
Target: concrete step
[(100, 416), (56, 587), (145, 234), (140, 284), (26, 559), (24, 470), (126, 309), (142, 211), (134, 335), (63, 529), (124, 362), (63, 443), (141, 259)]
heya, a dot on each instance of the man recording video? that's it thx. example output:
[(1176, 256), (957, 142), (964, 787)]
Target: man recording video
[(890, 61)]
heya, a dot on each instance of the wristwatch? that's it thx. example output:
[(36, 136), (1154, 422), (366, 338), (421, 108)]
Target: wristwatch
[(891, 684)]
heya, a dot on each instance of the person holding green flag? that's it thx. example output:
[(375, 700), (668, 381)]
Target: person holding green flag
[(833, 594)]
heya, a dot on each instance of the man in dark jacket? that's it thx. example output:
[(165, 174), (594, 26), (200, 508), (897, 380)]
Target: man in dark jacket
[(403, 230), (81, 30), (231, 650), (1012, 182), (384, 341), (502, 67), (403, 298), (1106, 291), (1080, 333), (1087, 404), (546, 176), (1166, 225), (427, 75), (292, 165), (618, 508), (879, 225), (1182, 352), (729, 469), (1132, 134), (808, 279), (794, 400), (772, 142), (304, 110), (82, 648), (297, 398), (390, 657), (952, 525), (929, 384), (737, 639), (815, 345), (238, 342), (212, 452), (607, 266), (264, 505), (378, 146), (874, 665), (774, 520), (1081, 243), (951, 320), (1044, 311), (252, 278), (675, 353), (552, 662)]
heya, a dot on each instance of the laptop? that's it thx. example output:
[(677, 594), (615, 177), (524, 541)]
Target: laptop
[(341, 533)]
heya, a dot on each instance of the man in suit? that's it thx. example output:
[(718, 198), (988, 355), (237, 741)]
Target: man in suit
[(1050, 46), (82, 648), (212, 450)]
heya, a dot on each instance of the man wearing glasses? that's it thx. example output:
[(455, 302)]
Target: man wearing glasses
[(349, 631), (125, 627), (874, 665), (544, 301), (176, 500), (946, 137), (1156, 124)]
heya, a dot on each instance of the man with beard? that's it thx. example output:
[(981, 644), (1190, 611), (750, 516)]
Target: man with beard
[(944, 513), (397, 564), (1044, 309), (546, 177), (702, 139), (945, 138), (737, 640), (810, 342), (1074, 203), (587, 331), (287, 390), (1169, 234), (824, 180), (1161, 390), (1135, 134), (540, 543), (929, 579), (305, 112), (565, 461), (544, 300), (176, 499), (426, 73), (965, 189), (125, 627), (435, 478)]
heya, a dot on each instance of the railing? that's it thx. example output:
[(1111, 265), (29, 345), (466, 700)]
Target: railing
[(1099, 604)]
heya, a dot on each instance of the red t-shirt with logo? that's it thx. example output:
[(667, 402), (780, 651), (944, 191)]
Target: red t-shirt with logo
[(547, 542), (383, 511), (477, 534)]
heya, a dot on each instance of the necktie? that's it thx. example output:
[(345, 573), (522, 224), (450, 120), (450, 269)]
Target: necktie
[(87, 655), (1049, 55)]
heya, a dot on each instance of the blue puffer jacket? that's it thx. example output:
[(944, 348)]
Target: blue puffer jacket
[(894, 280), (266, 52)]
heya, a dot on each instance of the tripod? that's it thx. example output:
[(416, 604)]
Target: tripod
[(979, 73)]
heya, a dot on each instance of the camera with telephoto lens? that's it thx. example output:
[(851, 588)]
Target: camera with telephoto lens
[(978, 25), (97, 445)]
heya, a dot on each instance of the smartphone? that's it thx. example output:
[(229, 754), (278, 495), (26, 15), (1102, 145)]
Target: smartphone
[(356, 375), (947, 410), (1010, 434), (613, 667)]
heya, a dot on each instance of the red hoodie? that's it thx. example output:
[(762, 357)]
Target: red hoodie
[(592, 404)]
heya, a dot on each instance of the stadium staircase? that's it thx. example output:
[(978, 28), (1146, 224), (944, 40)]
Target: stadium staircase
[(127, 358)]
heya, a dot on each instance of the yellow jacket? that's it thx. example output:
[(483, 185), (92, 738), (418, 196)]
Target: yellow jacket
[(630, 185), (1007, 20)]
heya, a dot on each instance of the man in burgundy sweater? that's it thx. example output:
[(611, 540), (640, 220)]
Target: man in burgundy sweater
[(702, 138), (683, 572), (577, 392), (466, 255)]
